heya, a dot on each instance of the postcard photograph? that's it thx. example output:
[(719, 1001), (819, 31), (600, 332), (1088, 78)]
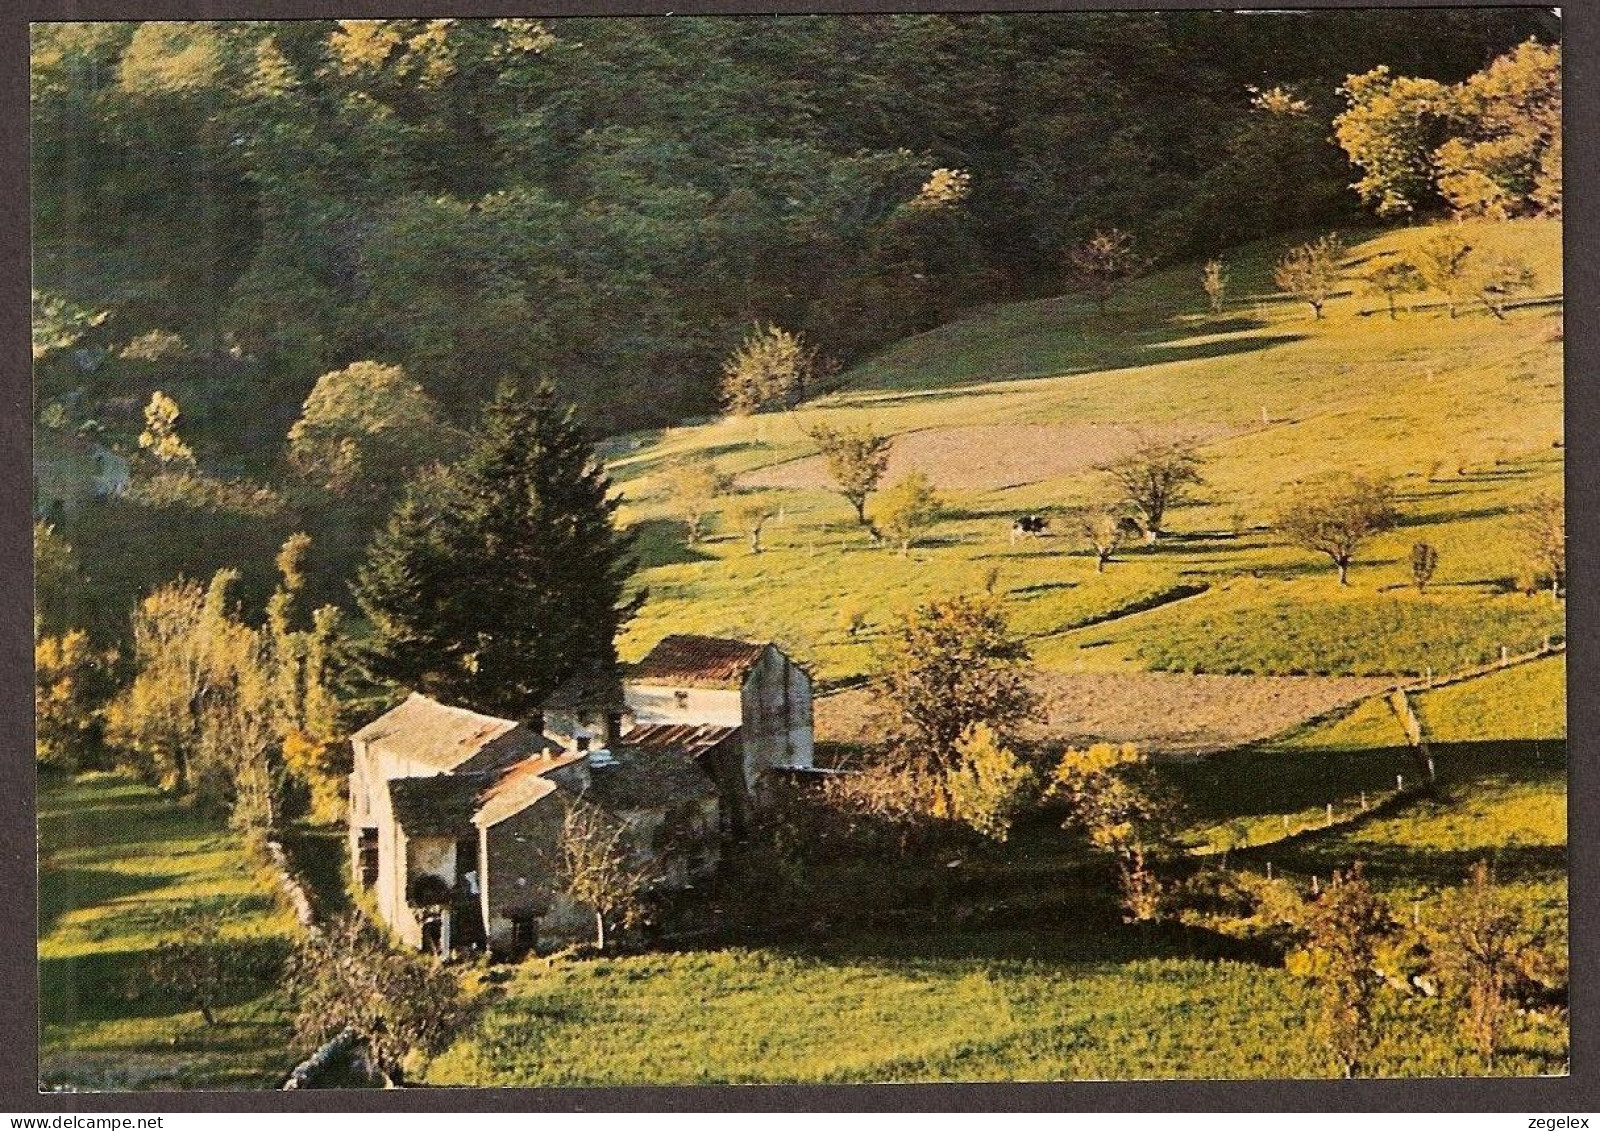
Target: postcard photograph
[(799, 549)]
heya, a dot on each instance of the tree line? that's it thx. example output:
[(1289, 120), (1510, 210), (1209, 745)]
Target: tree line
[(616, 201)]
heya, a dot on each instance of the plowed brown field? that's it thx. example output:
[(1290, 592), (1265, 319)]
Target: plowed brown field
[(1162, 712)]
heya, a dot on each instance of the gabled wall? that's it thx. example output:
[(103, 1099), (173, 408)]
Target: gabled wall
[(775, 716)]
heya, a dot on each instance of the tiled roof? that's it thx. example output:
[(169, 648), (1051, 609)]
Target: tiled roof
[(436, 806), (451, 738), (706, 661), (636, 779), (519, 787)]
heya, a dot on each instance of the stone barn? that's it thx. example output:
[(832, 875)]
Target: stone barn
[(456, 824)]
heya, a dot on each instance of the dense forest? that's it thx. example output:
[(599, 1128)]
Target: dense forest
[(613, 203)]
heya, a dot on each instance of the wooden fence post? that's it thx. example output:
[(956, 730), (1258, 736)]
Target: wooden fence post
[(1399, 782), (1363, 801), (1329, 822)]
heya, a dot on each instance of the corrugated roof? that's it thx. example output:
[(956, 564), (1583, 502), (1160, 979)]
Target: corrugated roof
[(707, 661), (685, 738), (519, 787), (451, 738)]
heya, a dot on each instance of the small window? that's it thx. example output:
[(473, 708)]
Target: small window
[(581, 742), (683, 700), (369, 857)]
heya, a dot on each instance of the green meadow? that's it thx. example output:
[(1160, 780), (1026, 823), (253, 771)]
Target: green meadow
[(123, 869), (1464, 413)]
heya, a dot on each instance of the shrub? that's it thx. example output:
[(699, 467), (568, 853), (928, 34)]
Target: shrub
[(1345, 928), (988, 786)]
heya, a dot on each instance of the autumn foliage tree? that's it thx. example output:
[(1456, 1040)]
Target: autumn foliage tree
[(1155, 477), (749, 515), (947, 667), (988, 785), (693, 488), (1482, 947), (1103, 264), (1103, 526), (364, 426), (1541, 526), (71, 681), (856, 459), (160, 436), (1310, 272), (1113, 797), (1390, 278), (906, 510), (1499, 279), (772, 366), (1424, 561), (1345, 926), (1441, 261), (1214, 281)]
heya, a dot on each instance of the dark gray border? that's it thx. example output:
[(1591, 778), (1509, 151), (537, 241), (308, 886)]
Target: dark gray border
[(1579, 1092)]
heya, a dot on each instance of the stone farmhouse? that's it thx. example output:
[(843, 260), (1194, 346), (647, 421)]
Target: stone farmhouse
[(456, 817)]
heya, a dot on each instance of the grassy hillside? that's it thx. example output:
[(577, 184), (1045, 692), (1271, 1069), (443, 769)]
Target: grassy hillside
[(121, 870), (962, 1007), (1074, 1000), (1465, 413)]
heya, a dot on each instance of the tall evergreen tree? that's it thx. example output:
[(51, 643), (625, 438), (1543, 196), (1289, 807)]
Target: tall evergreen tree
[(503, 578)]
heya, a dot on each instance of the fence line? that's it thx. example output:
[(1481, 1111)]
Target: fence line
[(1398, 697)]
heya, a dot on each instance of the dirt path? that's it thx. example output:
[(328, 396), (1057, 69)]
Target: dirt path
[(1162, 712)]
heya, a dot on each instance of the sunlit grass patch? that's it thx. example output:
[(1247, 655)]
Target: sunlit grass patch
[(121, 870)]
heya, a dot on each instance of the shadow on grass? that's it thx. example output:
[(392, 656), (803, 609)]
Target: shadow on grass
[(1262, 781), (66, 889), (1101, 940), (116, 985), (1129, 349), (1512, 863), (662, 542), (646, 460)]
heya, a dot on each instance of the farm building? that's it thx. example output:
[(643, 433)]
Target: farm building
[(456, 818), (741, 709)]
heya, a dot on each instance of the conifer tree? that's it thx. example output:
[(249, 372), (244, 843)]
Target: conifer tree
[(507, 577)]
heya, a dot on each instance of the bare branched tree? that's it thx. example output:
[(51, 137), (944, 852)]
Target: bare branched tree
[(599, 871), (1154, 478), (1335, 514)]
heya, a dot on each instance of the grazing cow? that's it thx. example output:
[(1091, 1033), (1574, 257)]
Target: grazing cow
[(1029, 526)]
